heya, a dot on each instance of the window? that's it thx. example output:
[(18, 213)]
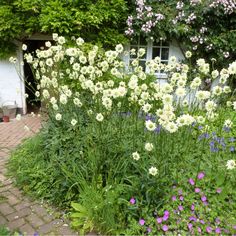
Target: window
[(153, 49)]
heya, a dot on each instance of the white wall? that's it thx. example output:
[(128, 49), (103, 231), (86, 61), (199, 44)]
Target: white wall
[(11, 86)]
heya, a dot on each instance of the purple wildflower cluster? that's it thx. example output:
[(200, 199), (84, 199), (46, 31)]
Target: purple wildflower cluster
[(217, 143), (188, 212)]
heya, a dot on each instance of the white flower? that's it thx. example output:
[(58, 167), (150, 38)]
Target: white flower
[(231, 164), (232, 68), (148, 147), (234, 105), (180, 92), (58, 116), (37, 94), (18, 117), (171, 127), (73, 122), (228, 123), (119, 48), (79, 41), (99, 117), (150, 125), (24, 47), (61, 40), (135, 156), (214, 74), (188, 54), (146, 107), (63, 99), (141, 52), (210, 106), (77, 102), (152, 171), (55, 107), (48, 44), (46, 94)]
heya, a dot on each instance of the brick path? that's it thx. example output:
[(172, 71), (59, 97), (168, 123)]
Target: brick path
[(18, 212)]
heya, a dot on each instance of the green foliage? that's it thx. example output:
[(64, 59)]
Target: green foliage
[(100, 22)]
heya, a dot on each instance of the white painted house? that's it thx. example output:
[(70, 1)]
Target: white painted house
[(12, 85)]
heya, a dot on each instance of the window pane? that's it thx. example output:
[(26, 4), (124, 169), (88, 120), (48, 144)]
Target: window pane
[(143, 64), (155, 52), (164, 53)]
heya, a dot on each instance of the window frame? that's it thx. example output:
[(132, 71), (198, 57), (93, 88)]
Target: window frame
[(149, 46)]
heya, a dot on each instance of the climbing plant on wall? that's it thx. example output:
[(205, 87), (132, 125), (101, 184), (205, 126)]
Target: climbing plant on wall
[(97, 21)]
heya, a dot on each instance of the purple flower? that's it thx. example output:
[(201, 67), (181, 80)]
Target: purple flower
[(218, 230), (149, 230), (181, 198), (218, 190), (192, 207), (180, 208), (208, 229), (197, 190), (201, 175), (165, 217), (204, 198), (159, 220), (132, 201), (165, 228), (141, 221), (191, 181), (166, 213), (199, 230), (36, 234), (234, 227), (190, 226), (173, 198), (202, 222), (193, 218), (232, 149)]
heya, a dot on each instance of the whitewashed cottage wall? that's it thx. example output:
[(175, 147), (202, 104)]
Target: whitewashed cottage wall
[(12, 88)]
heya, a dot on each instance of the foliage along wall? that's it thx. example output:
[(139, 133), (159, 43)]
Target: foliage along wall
[(206, 27), (97, 21)]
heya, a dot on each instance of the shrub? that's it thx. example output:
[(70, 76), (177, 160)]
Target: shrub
[(119, 136)]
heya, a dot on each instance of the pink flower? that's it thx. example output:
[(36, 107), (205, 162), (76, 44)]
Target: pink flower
[(180, 208), (197, 190), (181, 198), (173, 198), (204, 198), (159, 220), (132, 201), (192, 207), (218, 230), (141, 221), (201, 175), (165, 228), (208, 229), (191, 181), (165, 217), (166, 213), (218, 190)]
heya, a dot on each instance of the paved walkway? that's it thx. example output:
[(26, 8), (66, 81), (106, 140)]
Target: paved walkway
[(18, 212)]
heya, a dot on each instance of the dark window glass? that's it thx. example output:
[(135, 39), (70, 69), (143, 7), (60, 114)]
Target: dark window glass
[(164, 53), (155, 52)]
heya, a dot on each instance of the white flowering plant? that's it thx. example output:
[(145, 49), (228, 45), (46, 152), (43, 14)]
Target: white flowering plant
[(115, 125)]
